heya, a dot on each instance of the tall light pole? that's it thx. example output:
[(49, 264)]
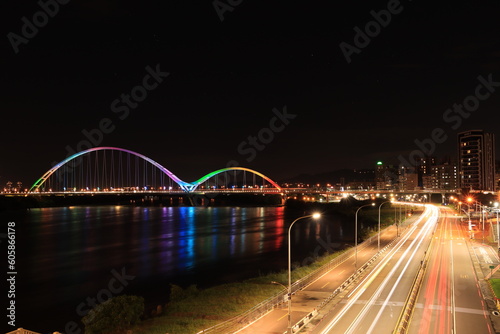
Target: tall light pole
[(400, 220), (498, 227), (356, 234), (468, 223), (469, 200), (482, 218), (479, 206), (315, 216), (378, 239)]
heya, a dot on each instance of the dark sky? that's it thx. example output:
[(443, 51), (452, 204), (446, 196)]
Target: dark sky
[(226, 77)]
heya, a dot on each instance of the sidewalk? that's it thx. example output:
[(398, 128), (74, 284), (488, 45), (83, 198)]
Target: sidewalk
[(485, 257)]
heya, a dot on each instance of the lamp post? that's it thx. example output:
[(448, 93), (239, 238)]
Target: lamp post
[(356, 234), (315, 216), (479, 206), (400, 220), (468, 223), (482, 218), (469, 200), (498, 227), (378, 239)]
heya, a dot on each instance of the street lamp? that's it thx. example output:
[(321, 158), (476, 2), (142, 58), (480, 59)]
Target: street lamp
[(479, 206), (482, 218), (498, 227), (315, 216), (356, 234), (378, 240)]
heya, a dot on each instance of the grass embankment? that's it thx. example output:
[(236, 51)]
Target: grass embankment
[(495, 284), (200, 309)]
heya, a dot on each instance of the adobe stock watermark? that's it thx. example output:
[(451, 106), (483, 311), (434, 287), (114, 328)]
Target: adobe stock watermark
[(328, 246), (223, 6), (250, 147), (372, 29), (40, 19), (454, 117), (122, 107), (115, 286), (254, 144)]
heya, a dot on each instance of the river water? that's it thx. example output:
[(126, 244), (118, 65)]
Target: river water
[(67, 256)]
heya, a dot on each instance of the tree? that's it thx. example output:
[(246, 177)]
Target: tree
[(177, 293), (114, 315)]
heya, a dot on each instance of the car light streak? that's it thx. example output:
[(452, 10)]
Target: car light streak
[(431, 214), (419, 239)]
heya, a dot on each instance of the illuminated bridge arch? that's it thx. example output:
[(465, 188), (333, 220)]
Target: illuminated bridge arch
[(36, 186), (196, 183), (96, 169)]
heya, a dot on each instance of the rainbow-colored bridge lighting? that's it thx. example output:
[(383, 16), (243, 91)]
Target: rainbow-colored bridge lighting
[(185, 186)]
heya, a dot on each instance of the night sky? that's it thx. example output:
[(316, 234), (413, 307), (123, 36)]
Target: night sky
[(225, 78)]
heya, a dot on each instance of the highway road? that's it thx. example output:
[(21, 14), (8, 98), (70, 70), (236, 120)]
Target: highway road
[(450, 300), (375, 304), (304, 301)]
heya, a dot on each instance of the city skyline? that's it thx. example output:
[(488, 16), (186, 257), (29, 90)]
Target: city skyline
[(275, 88)]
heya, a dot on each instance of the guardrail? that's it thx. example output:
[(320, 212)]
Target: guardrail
[(304, 321), (353, 277), (409, 305)]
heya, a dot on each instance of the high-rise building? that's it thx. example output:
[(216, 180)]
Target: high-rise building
[(476, 160), (444, 176), (386, 176), (408, 178)]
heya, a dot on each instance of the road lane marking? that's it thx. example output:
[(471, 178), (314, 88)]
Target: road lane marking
[(418, 241), (485, 255), (393, 251), (457, 309), (325, 285), (282, 317)]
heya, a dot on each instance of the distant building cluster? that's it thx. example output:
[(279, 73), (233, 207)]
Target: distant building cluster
[(11, 187), (474, 169), (428, 174)]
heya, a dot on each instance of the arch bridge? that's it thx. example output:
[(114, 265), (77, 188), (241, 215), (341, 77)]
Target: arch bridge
[(113, 169)]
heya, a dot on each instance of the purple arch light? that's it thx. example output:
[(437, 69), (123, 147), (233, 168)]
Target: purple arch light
[(184, 185)]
